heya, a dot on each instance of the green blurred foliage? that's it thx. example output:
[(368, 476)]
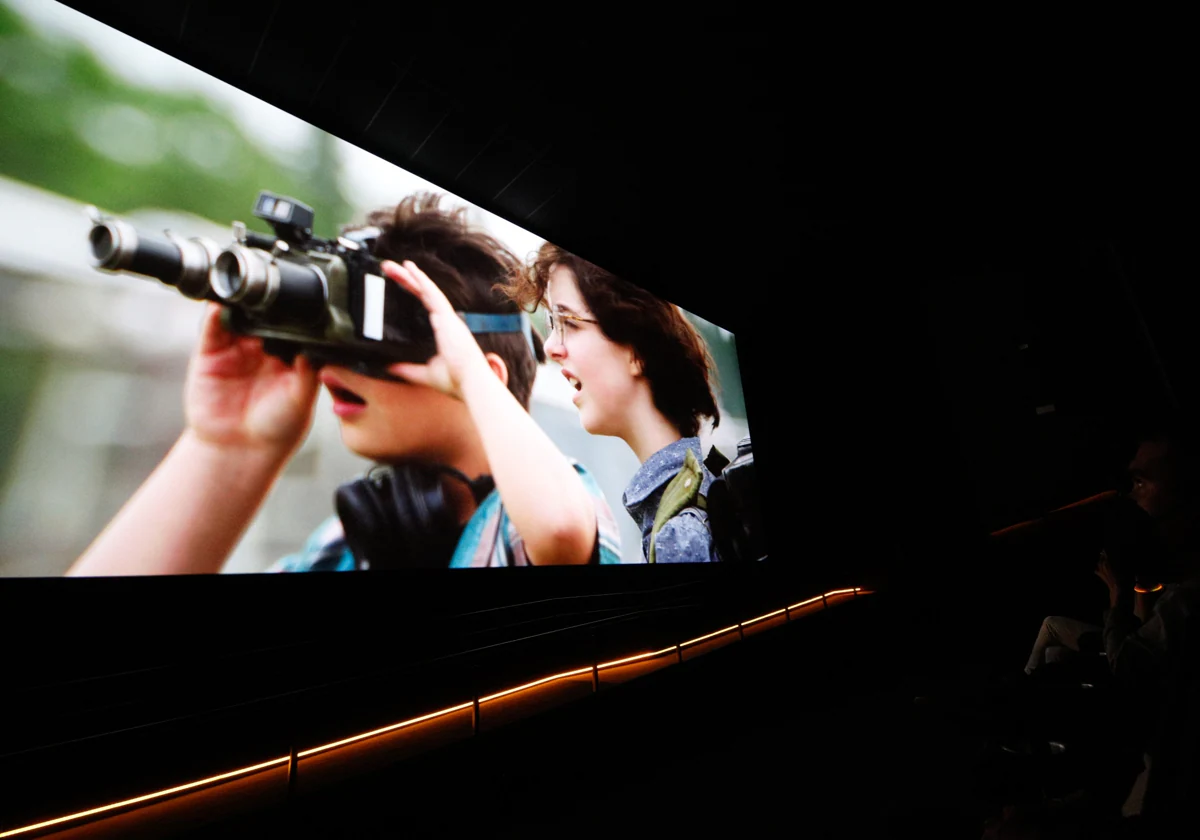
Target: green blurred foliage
[(70, 126), (20, 372)]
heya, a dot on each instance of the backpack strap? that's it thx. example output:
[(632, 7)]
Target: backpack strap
[(683, 491), (716, 461)]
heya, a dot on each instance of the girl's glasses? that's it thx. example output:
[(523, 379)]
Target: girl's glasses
[(561, 324)]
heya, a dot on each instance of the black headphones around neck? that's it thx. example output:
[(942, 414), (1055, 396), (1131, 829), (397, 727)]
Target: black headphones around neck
[(399, 516)]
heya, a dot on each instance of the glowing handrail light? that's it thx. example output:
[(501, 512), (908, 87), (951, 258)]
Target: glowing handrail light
[(146, 798), (806, 603), (381, 730), (440, 713), (709, 635), (542, 681), (764, 617), (628, 659)]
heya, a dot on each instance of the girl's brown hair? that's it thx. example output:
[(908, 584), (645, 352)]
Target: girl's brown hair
[(674, 358)]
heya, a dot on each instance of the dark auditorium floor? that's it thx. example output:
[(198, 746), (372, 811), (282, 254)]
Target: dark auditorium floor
[(808, 729)]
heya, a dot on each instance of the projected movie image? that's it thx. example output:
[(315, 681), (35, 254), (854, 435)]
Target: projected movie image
[(233, 343)]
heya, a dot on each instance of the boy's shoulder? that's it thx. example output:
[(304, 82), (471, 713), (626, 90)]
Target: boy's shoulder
[(608, 532), (477, 549), (325, 550)]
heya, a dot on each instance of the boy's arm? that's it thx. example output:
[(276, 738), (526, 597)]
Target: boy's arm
[(543, 495), (247, 412), (188, 515)]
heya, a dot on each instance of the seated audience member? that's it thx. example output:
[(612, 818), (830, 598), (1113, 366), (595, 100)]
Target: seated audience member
[(1163, 486), (1130, 544), (1154, 655), (1147, 631)]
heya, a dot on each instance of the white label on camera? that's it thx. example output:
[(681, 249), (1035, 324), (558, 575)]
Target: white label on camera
[(373, 289)]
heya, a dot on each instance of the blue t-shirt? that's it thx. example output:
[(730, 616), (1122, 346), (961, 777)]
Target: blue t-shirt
[(488, 539)]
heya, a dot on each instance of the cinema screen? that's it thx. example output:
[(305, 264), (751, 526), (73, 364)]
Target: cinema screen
[(231, 342)]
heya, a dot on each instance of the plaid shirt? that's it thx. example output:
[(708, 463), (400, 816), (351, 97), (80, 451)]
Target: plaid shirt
[(489, 539)]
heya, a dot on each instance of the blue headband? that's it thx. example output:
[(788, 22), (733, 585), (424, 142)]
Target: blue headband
[(486, 322)]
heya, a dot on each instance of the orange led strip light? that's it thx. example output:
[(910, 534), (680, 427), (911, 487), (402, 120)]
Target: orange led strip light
[(640, 656), (157, 794), (380, 731), (536, 683), (411, 721), (709, 635), (764, 617)]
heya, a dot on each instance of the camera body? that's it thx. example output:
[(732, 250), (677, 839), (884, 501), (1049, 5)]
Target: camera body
[(327, 299)]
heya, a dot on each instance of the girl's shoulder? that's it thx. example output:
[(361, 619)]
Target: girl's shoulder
[(685, 538)]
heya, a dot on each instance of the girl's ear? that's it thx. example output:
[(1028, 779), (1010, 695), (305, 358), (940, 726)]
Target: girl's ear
[(635, 364), (498, 367)]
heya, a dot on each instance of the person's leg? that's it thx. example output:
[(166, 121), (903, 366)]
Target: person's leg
[(1030, 712), (1045, 638), (1057, 630)]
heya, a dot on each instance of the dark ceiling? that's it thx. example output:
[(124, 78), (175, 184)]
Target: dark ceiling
[(632, 146)]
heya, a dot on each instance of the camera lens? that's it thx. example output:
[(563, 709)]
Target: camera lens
[(229, 275), (104, 244), (117, 246)]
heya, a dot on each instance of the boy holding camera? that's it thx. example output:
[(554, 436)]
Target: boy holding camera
[(451, 423)]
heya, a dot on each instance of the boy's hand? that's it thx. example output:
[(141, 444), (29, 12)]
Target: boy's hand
[(239, 396), (458, 354)]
